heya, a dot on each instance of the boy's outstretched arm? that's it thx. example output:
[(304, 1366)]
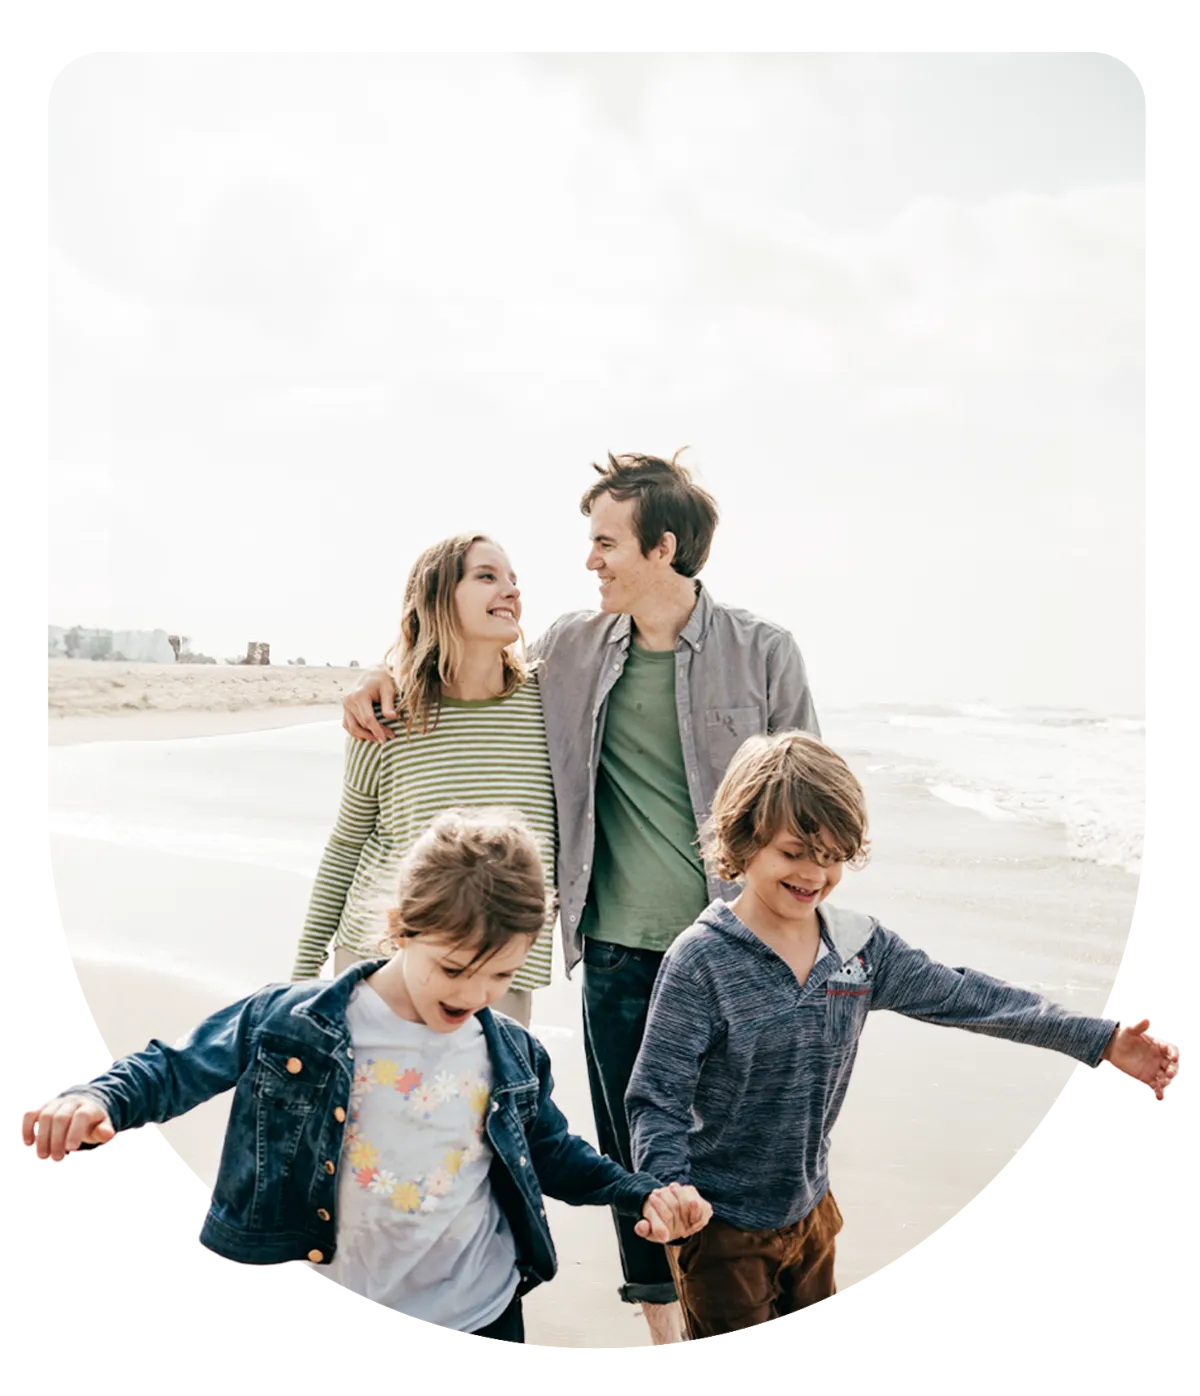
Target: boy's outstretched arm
[(147, 1087), (907, 981), (662, 1086), (1145, 1058)]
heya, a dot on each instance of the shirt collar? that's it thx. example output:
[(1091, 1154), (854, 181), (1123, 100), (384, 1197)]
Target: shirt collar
[(693, 632)]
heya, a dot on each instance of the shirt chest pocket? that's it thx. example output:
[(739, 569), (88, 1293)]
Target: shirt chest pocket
[(846, 1005), (727, 729), (290, 1077)]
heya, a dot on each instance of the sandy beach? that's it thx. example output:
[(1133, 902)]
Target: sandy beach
[(170, 792)]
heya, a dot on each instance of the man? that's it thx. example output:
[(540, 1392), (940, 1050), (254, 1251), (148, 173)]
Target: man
[(645, 703)]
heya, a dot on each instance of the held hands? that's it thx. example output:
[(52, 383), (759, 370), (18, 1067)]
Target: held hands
[(358, 714), (671, 1213), (65, 1122), (1145, 1058)]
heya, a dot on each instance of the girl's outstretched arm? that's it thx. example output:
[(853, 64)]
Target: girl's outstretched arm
[(150, 1086), (356, 821), (1145, 1058), (567, 1167)]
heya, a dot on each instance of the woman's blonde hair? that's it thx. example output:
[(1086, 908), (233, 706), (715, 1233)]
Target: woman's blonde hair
[(427, 652), (474, 877), (787, 782)]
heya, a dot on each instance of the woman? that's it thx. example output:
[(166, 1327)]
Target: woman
[(469, 732)]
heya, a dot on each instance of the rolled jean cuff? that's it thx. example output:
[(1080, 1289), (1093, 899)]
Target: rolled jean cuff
[(648, 1294)]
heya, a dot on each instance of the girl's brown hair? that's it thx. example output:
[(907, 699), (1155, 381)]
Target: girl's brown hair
[(786, 782), (474, 877), (428, 651)]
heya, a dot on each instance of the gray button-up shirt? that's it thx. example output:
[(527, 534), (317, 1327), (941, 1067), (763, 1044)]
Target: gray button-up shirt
[(735, 676)]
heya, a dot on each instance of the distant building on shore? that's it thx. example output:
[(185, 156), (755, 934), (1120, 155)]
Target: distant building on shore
[(139, 646)]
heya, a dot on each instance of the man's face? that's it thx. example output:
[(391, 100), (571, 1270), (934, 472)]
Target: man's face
[(626, 577)]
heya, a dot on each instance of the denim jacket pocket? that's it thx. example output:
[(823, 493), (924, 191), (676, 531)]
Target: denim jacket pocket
[(290, 1077)]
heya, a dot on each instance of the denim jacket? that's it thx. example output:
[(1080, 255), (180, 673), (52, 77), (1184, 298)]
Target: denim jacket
[(736, 676), (286, 1053)]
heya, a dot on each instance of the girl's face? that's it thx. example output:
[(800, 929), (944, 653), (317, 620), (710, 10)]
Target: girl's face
[(487, 602), (444, 989)]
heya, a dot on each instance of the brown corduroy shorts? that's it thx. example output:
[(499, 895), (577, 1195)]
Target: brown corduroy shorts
[(728, 1278)]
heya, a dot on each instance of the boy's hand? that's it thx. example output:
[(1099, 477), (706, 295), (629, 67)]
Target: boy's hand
[(671, 1213), (1145, 1058), (65, 1122), (358, 713)]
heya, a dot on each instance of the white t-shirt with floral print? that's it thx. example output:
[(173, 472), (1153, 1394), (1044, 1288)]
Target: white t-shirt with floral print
[(417, 1226)]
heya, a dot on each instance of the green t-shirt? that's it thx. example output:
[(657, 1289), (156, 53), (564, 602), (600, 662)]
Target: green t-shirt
[(647, 877)]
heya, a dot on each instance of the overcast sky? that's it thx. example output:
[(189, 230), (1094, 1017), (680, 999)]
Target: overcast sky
[(309, 314)]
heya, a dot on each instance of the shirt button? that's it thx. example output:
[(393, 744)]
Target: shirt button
[(585, 867), (572, 919), (339, 1114), (322, 1213), (521, 1161), (294, 1065), (316, 1256), (330, 1166)]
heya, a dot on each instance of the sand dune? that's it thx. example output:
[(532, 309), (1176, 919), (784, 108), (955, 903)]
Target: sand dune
[(95, 688)]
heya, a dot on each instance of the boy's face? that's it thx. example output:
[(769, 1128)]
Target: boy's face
[(626, 577), (789, 879), (446, 989)]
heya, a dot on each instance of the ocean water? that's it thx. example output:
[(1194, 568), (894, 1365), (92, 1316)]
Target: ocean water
[(1082, 771), (268, 798)]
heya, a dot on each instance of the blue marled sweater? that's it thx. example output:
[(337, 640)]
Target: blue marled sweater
[(742, 1071)]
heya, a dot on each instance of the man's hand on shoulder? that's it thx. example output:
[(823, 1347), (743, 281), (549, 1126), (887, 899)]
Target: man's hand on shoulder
[(358, 708)]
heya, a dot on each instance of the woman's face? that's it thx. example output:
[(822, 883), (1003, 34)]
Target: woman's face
[(487, 602)]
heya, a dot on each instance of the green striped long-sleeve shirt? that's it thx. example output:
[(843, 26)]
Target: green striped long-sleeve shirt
[(480, 752)]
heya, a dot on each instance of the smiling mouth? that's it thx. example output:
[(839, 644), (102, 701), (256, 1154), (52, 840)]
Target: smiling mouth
[(504, 613), (801, 894)]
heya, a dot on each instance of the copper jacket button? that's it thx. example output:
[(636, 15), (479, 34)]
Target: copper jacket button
[(329, 1166), (316, 1256), (339, 1114), (294, 1065), (322, 1213)]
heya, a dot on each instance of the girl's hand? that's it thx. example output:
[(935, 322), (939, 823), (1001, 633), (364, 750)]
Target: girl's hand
[(671, 1213), (65, 1122), (1145, 1058)]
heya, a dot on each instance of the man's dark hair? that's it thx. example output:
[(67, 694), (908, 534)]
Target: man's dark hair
[(665, 500)]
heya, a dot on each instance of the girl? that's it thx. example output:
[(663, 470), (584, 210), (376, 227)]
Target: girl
[(470, 732), (388, 1127)]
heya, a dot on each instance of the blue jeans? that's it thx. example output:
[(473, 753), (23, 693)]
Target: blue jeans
[(616, 996)]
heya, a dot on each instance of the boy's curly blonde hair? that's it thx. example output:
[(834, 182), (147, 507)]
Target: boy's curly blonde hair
[(786, 782)]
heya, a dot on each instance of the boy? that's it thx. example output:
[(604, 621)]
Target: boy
[(754, 1025)]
